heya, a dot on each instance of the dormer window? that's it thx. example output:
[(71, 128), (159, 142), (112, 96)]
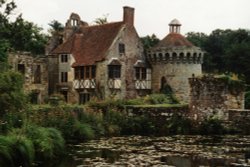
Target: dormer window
[(121, 48), (64, 58)]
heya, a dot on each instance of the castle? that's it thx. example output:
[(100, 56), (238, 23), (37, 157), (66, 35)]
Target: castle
[(109, 61)]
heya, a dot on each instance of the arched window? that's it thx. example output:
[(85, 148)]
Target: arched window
[(189, 57), (160, 56), (194, 57), (181, 57), (174, 55), (167, 56)]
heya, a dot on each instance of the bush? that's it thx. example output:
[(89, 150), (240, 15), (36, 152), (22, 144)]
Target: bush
[(160, 99), (48, 142), (177, 125), (247, 100), (16, 150), (211, 126)]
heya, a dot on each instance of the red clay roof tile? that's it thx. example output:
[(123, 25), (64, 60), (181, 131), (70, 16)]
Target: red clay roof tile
[(174, 40), (91, 43)]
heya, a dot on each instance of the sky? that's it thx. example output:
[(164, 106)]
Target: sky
[(151, 16)]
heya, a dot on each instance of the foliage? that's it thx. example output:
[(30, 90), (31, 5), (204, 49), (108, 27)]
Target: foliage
[(48, 142), (101, 20), (18, 35), (56, 99), (16, 150), (149, 41), (247, 100), (222, 48), (211, 126), (56, 27), (12, 98), (177, 124), (160, 99)]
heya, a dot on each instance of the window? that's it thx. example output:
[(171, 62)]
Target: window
[(64, 77), (83, 98), (64, 58), (37, 74), (140, 73), (77, 72), (85, 72), (121, 48), (21, 68), (114, 71)]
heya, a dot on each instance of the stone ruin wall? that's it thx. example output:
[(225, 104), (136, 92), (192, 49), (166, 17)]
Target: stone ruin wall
[(30, 62), (213, 97)]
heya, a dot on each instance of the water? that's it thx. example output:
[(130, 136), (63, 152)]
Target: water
[(179, 151)]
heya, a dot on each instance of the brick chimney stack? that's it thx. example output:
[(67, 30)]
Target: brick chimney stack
[(128, 15)]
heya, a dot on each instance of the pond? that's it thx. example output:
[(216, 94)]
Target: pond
[(178, 151)]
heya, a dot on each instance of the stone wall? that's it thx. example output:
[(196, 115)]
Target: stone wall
[(211, 96), (35, 71), (159, 113)]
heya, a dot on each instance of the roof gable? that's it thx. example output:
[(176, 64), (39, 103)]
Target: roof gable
[(91, 43)]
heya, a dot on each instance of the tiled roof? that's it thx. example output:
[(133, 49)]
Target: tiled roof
[(91, 43), (174, 40)]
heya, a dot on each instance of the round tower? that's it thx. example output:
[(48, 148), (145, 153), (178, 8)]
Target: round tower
[(174, 59)]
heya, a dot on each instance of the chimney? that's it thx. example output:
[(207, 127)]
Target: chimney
[(128, 15)]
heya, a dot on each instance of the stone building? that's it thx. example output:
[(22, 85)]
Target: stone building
[(34, 70), (100, 60), (173, 60)]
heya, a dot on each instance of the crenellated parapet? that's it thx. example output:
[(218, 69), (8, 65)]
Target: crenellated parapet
[(181, 55)]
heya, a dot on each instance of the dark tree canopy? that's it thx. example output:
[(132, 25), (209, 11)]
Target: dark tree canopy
[(149, 41), (19, 35), (226, 51)]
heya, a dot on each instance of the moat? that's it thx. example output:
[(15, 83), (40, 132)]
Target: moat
[(174, 151)]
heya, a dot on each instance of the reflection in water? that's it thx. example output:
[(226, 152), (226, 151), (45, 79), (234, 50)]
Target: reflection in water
[(179, 151)]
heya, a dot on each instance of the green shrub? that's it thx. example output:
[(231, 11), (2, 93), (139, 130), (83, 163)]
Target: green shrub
[(16, 150), (177, 124), (48, 142), (247, 100), (211, 126), (160, 99), (83, 131)]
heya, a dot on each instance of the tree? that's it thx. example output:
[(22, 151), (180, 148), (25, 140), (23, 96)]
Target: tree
[(197, 38), (101, 20), (149, 41), (12, 98), (19, 35), (55, 27), (6, 8)]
